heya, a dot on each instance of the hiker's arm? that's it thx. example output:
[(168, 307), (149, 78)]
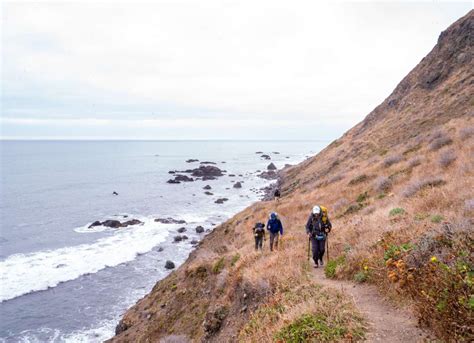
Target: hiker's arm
[(328, 226), (308, 225), (281, 228)]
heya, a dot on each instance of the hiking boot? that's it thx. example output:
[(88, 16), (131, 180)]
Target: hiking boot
[(321, 263)]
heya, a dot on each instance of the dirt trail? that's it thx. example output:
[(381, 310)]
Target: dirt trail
[(387, 324)]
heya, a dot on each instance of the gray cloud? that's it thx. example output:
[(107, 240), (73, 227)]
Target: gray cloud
[(271, 64)]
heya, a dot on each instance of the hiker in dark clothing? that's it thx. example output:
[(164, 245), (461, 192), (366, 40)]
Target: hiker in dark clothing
[(277, 194), (259, 234), (317, 230), (276, 229)]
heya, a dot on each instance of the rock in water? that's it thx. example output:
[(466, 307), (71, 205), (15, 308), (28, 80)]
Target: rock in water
[(170, 221), (96, 223), (207, 171), (199, 229), (131, 222), (221, 200), (266, 157), (112, 223), (169, 265), (182, 229), (271, 166), (237, 185), (207, 187)]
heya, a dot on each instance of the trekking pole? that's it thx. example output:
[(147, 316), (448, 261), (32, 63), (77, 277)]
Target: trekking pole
[(309, 243), (327, 247)]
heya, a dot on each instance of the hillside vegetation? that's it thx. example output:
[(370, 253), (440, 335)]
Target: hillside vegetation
[(399, 188)]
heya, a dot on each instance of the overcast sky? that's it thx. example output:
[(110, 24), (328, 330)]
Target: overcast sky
[(207, 69)]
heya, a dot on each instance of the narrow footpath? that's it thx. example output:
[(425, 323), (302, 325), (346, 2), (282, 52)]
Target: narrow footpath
[(386, 323)]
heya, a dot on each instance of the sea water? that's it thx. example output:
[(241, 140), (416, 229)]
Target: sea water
[(63, 281)]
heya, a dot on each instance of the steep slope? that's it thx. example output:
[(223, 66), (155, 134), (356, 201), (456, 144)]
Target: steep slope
[(399, 190)]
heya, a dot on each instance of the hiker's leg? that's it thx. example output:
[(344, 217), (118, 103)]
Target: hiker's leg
[(314, 249), (322, 245), (272, 237), (277, 236), (256, 243), (260, 243)]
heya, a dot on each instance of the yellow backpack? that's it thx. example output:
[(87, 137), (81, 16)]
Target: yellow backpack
[(324, 211)]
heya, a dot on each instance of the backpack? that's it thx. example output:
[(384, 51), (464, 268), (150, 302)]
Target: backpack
[(324, 212)]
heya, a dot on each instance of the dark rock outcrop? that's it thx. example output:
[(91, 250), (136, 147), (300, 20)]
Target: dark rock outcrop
[(199, 229), (191, 160), (272, 166), (168, 265), (237, 185), (207, 187), (207, 171), (181, 229), (268, 175), (266, 157), (169, 220), (131, 222), (221, 200)]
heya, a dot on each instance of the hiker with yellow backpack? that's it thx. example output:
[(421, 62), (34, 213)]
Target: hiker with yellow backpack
[(317, 228)]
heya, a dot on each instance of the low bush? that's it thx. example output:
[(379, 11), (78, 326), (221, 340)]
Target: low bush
[(418, 185), (331, 266), (362, 197), (391, 160), (438, 275), (396, 211), (234, 260), (437, 218), (447, 158), (340, 204), (218, 266), (358, 179), (469, 205), (336, 178), (312, 327), (414, 162), (440, 142), (361, 276), (382, 184), (466, 132)]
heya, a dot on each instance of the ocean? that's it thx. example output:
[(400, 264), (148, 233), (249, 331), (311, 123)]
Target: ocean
[(62, 281)]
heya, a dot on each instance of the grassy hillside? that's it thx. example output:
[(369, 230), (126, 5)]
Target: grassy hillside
[(399, 191)]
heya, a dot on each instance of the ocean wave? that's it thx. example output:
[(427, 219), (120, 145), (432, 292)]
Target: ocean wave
[(25, 273)]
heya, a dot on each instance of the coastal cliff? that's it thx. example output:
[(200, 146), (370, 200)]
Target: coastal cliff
[(398, 187)]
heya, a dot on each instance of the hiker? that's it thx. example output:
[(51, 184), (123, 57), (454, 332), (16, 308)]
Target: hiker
[(276, 229), (259, 234), (277, 194), (317, 228)]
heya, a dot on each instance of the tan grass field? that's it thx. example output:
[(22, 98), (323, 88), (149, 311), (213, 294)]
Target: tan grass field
[(399, 189)]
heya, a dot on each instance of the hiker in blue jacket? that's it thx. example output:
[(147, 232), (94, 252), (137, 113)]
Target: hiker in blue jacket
[(276, 229)]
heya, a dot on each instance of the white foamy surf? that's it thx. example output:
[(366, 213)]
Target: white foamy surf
[(26, 273)]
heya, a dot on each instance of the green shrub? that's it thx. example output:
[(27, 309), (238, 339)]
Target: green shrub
[(394, 251), (218, 266), (437, 218), (420, 216), (358, 179), (311, 328), (234, 260), (396, 211), (330, 269), (381, 196), (362, 197), (361, 276)]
